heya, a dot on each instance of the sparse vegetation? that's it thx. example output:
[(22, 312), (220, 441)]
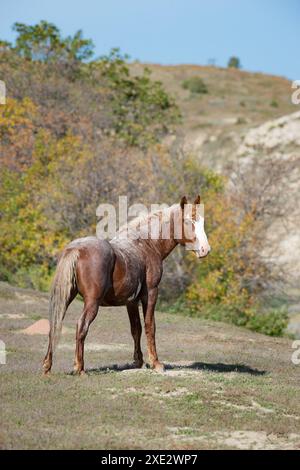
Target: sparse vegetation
[(225, 387), (195, 85)]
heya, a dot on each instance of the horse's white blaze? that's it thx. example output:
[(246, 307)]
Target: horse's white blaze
[(201, 245)]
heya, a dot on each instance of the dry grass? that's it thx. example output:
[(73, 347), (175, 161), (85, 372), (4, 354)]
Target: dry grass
[(232, 93), (225, 387), (213, 124)]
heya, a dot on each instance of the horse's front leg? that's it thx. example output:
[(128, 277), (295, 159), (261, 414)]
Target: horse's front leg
[(148, 311), (136, 331), (88, 315)]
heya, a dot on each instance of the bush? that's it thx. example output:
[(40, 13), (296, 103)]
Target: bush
[(234, 62), (271, 322), (195, 85), (142, 111), (36, 277)]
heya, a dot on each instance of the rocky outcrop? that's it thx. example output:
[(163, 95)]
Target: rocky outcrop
[(278, 141), (273, 135)]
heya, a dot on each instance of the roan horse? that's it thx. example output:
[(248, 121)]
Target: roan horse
[(123, 271)]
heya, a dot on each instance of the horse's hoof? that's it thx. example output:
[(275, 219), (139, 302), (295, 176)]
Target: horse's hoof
[(138, 364), (159, 367), (46, 369), (80, 373)]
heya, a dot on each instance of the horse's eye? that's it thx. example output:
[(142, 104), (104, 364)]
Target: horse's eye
[(188, 223), (188, 228)]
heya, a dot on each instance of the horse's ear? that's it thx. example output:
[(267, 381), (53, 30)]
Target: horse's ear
[(183, 202), (197, 200)]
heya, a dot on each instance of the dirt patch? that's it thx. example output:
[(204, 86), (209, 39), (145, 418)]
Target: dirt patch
[(241, 440), (184, 373), (156, 393), (253, 407), (256, 440), (12, 316), (41, 327)]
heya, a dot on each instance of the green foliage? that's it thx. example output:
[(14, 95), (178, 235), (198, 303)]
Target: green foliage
[(142, 112), (273, 322), (43, 42), (34, 277), (234, 62), (195, 85), (274, 103), (5, 46)]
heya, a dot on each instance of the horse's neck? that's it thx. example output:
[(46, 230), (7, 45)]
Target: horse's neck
[(164, 246)]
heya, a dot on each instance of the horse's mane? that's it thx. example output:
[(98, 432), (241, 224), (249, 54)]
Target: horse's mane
[(142, 221)]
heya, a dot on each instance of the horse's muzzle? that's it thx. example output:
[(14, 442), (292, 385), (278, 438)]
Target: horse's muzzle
[(203, 252)]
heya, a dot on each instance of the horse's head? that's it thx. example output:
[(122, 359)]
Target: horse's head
[(193, 233)]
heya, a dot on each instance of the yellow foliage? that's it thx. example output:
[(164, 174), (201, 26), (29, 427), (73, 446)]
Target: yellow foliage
[(222, 277)]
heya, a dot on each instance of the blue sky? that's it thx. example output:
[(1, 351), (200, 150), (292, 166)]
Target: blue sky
[(265, 34)]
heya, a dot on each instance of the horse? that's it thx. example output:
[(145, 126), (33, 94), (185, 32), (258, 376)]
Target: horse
[(124, 271)]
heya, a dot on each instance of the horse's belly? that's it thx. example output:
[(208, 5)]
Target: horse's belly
[(128, 279), (124, 293), (127, 286)]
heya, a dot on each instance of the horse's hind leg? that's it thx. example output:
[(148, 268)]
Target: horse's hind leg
[(47, 364), (136, 331), (89, 313)]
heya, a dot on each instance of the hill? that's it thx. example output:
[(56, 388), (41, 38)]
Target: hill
[(213, 123), (225, 387)]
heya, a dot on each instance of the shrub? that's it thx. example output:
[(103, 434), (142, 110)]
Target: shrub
[(195, 85), (141, 110), (234, 62), (271, 322), (34, 277)]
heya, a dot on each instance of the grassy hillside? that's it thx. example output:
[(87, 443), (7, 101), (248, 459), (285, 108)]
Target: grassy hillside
[(225, 387), (232, 94), (214, 123)]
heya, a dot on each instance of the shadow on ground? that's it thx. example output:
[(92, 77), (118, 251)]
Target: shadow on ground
[(196, 366)]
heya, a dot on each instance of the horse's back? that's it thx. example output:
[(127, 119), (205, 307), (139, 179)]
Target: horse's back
[(95, 264)]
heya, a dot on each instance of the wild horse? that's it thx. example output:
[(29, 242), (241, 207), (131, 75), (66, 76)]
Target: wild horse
[(124, 271)]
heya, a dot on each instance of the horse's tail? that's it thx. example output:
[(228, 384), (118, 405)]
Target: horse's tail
[(64, 283)]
